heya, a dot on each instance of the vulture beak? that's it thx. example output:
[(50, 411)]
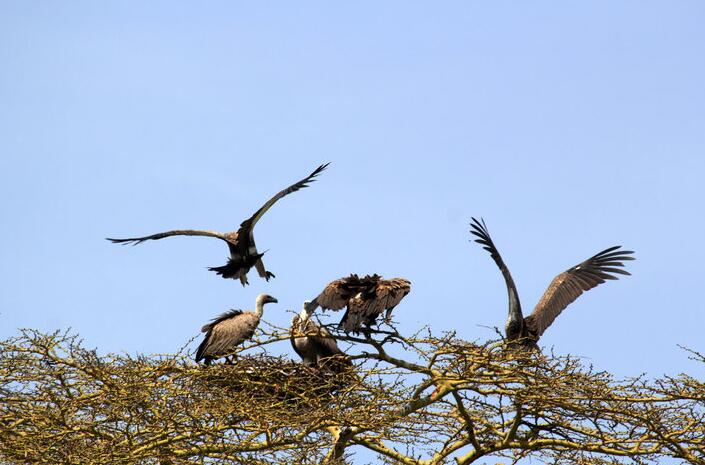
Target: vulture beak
[(272, 300)]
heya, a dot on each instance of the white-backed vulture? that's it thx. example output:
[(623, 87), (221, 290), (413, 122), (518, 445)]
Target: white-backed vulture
[(229, 330), (365, 298), (314, 344), (241, 243), (563, 290)]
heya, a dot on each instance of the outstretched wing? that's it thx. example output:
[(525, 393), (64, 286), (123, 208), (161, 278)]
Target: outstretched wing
[(389, 292), (176, 232), (479, 230), (569, 285), (336, 294), (246, 226), (386, 295), (375, 296)]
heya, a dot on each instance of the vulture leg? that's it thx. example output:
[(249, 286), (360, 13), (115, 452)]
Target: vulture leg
[(259, 266)]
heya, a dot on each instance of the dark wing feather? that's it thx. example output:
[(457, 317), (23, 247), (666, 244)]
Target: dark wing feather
[(248, 225), (176, 232), (208, 328), (386, 294), (374, 296), (325, 343), (569, 285), (222, 317), (331, 357), (316, 346), (319, 340), (336, 294), (226, 333), (389, 292), (200, 352), (479, 230)]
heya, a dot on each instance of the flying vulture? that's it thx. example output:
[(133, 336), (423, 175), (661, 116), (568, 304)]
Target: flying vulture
[(226, 332), (243, 251), (563, 290), (365, 298), (314, 344)]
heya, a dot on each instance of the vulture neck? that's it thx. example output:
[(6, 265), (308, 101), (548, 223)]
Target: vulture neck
[(304, 315), (259, 308)]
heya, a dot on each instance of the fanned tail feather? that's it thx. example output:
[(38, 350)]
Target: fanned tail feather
[(237, 268)]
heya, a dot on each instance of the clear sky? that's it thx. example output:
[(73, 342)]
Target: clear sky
[(568, 126)]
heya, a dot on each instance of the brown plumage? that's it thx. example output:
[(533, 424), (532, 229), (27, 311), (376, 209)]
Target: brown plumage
[(227, 331), (365, 298), (241, 243), (315, 345), (563, 290)]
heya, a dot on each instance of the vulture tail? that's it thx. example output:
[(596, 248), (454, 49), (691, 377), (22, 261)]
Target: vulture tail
[(237, 267)]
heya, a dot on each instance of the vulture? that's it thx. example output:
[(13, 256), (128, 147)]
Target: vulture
[(241, 243), (314, 344), (227, 331), (563, 290), (365, 298)]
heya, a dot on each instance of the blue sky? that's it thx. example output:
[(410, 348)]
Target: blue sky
[(568, 126)]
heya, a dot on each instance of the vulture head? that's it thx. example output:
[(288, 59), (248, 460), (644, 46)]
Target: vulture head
[(261, 300), (307, 310), (265, 299)]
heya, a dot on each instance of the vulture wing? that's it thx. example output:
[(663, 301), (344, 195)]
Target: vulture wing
[(319, 339), (226, 332), (569, 285), (176, 232), (294, 332), (317, 347), (389, 292), (479, 230), (325, 343), (375, 296), (327, 347), (220, 318), (386, 295), (246, 227), (336, 294)]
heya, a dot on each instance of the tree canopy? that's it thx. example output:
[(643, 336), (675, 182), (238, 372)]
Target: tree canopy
[(415, 400)]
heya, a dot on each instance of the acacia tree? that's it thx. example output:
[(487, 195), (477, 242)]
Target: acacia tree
[(410, 400)]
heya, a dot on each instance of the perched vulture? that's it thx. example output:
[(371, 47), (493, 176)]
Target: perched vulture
[(563, 290), (365, 298), (314, 344), (243, 251), (226, 332)]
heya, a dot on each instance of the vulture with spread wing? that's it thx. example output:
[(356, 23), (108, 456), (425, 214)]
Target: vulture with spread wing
[(314, 344), (241, 243), (563, 290), (229, 330), (365, 298)]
